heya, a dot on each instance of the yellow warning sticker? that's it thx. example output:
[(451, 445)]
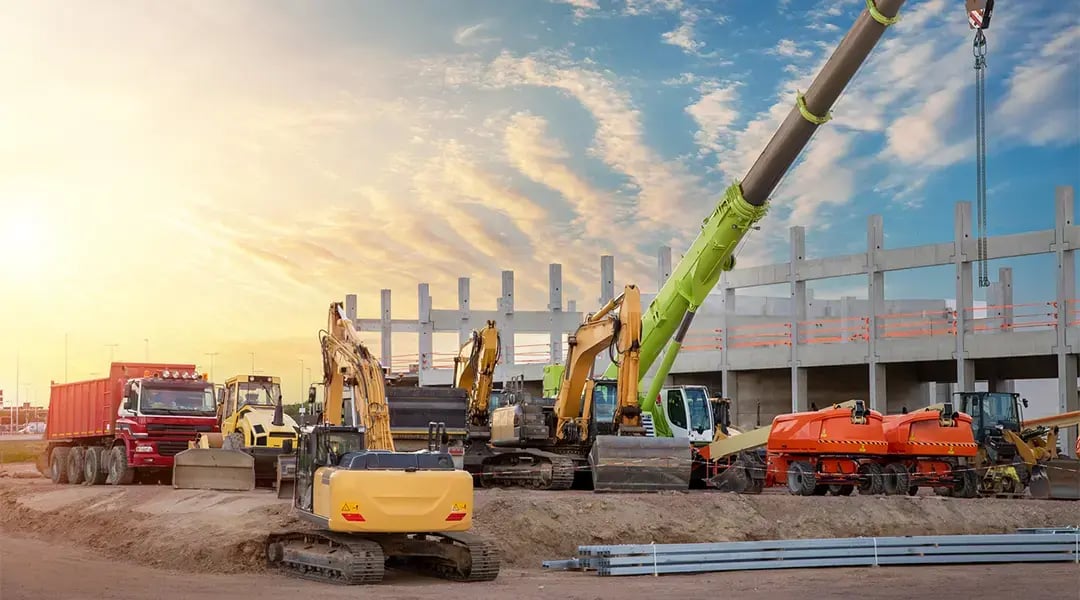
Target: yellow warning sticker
[(951, 450), (460, 506), (350, 507), (862, 447)]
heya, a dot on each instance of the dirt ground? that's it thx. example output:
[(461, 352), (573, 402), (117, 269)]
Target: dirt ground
[(221, 532)]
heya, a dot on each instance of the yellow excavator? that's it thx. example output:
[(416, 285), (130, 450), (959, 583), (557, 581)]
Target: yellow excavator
[(374, 505), (592, 425), (254, 447)]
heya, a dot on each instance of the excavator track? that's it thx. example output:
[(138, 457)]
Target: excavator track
[(529, 469), (462, 557), (326, 556)]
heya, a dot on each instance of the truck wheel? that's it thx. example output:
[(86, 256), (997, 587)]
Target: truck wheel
[(93, 472), (897, 479), (801, 480), (872, 481), (119, 471), (58, 465), (75, 465)]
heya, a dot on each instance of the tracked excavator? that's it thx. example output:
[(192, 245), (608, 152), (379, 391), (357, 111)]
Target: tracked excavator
[(540, 442), (374, 506)]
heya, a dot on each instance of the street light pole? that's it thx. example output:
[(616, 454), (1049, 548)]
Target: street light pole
[(212, 355)]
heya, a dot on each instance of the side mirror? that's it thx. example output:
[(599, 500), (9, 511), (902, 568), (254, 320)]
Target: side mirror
[(1024, 402), (311, 395), (132, 399)]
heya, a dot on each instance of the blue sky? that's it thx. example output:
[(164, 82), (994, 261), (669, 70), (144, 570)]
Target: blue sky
[(251, 160)]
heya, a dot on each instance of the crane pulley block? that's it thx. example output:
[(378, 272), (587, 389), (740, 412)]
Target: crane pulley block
[(979, 13)]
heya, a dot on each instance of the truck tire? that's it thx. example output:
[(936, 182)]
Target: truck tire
[(75, 465), (93, 471), (119, 471), (58, 464), (801, 479)]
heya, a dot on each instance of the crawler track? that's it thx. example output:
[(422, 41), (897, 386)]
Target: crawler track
[(355, 559), (533, 469), (326, 556)]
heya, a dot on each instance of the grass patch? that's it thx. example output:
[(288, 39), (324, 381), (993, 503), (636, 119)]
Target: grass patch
[(15, 451)]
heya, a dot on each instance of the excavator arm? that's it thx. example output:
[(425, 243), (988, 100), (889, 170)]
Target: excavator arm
[(669, 315), (474, 372), (348, 362), (593, 336)]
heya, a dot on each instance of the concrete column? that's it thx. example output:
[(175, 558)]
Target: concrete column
[(1005, 296), (350, 308), (1001, 385), (965, 374), (799, 400), (607, 279), (875, 281), (506, 307), (800, 392), (941, 393), (465, 327), (425, 344), (385, 332), (727, 296), (555, 307), (1066, 292), (729, 381), (847, 328), (663, 266)]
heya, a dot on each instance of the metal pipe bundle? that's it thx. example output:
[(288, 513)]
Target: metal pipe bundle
[(1059, 545)]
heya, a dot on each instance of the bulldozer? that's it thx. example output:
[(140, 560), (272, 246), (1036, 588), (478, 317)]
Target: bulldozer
[(256, 444), (1015, 455)]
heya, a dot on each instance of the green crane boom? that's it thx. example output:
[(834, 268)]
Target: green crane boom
[(744, 204)]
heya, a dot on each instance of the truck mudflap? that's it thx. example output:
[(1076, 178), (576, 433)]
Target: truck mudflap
[(1056, 479), (640, 463), (214, 469)]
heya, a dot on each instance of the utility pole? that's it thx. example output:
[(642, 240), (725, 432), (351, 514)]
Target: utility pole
[(111, 347), (301, 396), (212, 355)]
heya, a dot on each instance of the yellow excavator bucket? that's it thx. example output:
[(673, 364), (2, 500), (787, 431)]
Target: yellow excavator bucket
[(632, 463), (214, 469), (1056, 479)]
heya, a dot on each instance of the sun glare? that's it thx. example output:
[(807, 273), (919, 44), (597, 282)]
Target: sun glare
[(23, 243)]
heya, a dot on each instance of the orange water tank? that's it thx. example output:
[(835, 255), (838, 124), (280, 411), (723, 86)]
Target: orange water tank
[(921, 433), (828, 431)]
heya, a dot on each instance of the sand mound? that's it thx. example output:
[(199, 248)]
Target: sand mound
[(222, 532)]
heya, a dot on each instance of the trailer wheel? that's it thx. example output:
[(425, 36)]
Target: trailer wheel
[(897, 479), (119, 471), (58, 464), (801, 480), (872, 481), (75, 465), (93, 471)]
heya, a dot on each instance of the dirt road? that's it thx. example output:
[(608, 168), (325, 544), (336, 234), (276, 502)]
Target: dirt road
[(36, 570)]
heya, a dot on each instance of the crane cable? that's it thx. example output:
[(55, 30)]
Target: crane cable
[(979, 50)]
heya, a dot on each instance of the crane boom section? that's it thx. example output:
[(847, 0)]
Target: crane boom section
[(474, 371), (746, 202), (347, 361)]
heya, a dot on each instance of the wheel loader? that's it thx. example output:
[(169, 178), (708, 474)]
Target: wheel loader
[(256, 444)]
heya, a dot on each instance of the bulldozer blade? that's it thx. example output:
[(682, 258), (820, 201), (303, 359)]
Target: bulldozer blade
[(214, 469), (1056, 479), (640, 463), (286, 476)]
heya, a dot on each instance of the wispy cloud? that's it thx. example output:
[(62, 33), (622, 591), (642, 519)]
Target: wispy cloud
[(473, 35)]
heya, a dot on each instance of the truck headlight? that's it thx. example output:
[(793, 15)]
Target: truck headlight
[(144, 448)]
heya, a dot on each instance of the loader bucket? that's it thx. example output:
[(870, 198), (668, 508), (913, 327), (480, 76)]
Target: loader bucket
[(286, 476), (214, 469), (1057, 479), (640, 463)]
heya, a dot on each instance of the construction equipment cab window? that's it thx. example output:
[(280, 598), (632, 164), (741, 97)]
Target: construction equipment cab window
[(676, 409), (336, 444)]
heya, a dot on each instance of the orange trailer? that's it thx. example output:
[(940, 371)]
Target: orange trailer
[(834, 449), (930, 447)]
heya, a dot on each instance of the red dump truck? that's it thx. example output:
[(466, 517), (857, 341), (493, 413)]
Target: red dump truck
[(127, 426)]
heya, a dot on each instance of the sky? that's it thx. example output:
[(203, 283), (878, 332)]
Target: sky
[(197, 180)]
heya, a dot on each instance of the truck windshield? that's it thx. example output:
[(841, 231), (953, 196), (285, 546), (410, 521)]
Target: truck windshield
[(177, 401), (697, 404), (259, 393)]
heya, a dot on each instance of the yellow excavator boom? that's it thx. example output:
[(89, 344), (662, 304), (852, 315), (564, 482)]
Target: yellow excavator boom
[(347, 361), (474, 372)]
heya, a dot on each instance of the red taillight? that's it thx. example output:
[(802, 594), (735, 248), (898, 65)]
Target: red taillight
[(457, 451), (456, 516), (354, 517)]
